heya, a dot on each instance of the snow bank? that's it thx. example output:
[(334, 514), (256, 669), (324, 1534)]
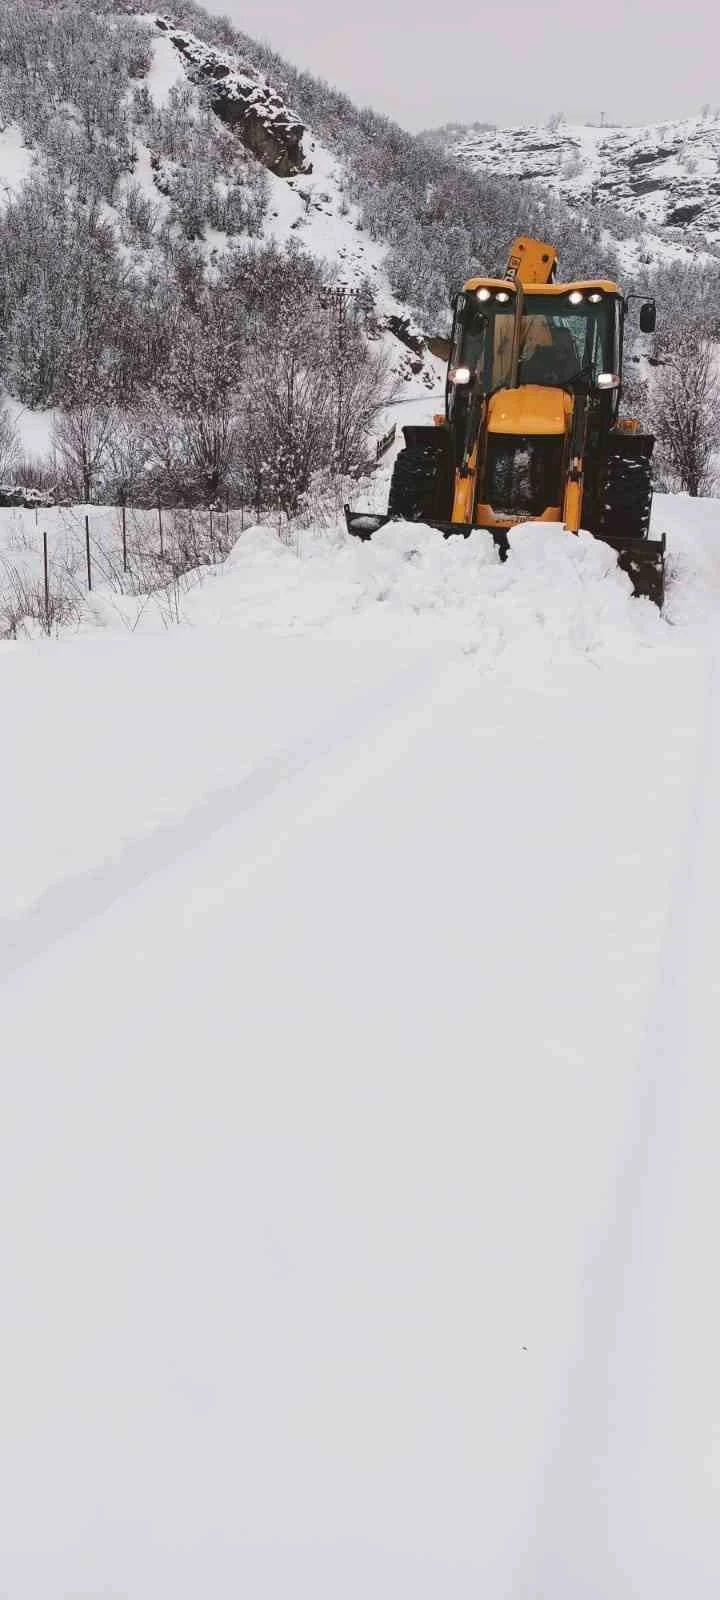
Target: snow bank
[(34, 429), (555, 597)]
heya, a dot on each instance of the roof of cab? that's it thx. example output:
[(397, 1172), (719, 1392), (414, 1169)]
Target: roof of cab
[(603, 284)]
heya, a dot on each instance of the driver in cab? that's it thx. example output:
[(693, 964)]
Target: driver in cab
[(554, 363)]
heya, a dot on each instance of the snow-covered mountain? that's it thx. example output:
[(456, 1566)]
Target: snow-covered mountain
[(665, 178)]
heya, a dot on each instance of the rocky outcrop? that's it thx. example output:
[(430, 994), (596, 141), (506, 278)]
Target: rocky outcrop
[(664, 176), (243, 99), (13, 494), (402, 329)]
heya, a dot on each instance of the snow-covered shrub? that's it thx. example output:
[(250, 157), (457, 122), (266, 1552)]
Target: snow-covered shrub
[(686, 409), (24, 607), (138, 214)]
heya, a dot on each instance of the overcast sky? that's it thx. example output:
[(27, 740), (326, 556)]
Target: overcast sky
[(428, 63)]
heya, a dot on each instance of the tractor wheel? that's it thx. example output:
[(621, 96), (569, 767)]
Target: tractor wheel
[(627, 499), (418, 484)]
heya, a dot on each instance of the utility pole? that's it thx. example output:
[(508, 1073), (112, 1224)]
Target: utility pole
[(339, 301)]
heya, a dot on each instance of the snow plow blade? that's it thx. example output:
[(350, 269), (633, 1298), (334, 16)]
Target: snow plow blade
[(363, 524), (644, 562), (642, 559)]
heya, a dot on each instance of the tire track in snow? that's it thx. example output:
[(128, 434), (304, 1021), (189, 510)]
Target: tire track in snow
[(374, 719), (598, 1532)]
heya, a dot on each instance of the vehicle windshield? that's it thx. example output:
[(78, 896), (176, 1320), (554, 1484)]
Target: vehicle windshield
[(559, 340)]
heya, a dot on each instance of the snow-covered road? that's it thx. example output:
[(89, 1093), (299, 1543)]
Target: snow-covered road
[(360, 1096)]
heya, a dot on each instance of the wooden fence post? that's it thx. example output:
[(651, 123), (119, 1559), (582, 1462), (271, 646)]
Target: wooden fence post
[(87, 551)]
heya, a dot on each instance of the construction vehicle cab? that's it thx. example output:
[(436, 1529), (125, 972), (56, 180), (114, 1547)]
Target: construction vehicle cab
[(531, 429)]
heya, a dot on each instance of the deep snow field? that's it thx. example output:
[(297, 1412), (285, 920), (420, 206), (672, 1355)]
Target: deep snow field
[(360, 1112)]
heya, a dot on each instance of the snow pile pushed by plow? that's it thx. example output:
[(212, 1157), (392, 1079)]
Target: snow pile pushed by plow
[(554, 594)]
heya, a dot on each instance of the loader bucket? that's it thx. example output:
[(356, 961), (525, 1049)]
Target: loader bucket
[(363, 524)]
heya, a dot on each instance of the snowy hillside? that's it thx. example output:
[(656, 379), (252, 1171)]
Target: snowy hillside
[(173, 159), (666, 177), (306, 184), (360, 1104)]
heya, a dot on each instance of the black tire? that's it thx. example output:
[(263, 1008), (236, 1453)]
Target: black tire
[(418, 484), (627, 497)]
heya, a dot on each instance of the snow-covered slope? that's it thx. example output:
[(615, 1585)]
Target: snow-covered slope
[(665, 177), (359, 1108), (302, 180), (307, 199), (16, 161)]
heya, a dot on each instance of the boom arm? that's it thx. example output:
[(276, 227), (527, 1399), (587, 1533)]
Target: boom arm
[(531, 261)]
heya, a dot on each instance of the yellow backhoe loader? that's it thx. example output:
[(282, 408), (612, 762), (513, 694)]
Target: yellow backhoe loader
[(531, 429)]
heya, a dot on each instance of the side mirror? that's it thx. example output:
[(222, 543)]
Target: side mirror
[(440, 348), (648, 317)]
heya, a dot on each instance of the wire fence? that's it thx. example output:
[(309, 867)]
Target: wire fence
[(55, 562), (52, 560)]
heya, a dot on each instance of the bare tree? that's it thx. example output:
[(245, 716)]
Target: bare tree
[(361, 383), (687, 406), (126, 458), (86, 425), (82, 437), (287, 427), (9, 444), (190, 411)]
